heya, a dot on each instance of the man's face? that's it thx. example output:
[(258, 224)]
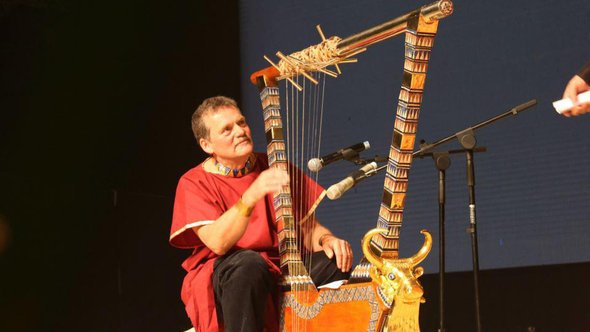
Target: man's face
[(230, 140)]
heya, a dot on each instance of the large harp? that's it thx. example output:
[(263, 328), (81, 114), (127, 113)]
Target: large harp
[(383, 293)]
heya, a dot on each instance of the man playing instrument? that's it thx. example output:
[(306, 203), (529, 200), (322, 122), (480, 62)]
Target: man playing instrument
[(223, 209)]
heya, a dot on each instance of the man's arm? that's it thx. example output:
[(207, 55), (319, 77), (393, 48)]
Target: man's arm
[(223, 233), (320, 238)]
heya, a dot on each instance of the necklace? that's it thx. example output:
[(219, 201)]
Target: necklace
[(236, 173)]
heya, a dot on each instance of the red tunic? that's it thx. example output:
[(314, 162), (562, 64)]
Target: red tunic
[(201, 198)]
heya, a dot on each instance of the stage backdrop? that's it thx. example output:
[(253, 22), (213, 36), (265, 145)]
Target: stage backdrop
[(533, 184)]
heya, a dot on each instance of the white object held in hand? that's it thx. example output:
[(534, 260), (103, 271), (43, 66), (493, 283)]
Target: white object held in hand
[(567, 104)]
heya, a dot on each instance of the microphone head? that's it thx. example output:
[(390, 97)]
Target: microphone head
[(314, 165), (334, 192)]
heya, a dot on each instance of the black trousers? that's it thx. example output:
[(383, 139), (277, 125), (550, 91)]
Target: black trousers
[(242, 282)]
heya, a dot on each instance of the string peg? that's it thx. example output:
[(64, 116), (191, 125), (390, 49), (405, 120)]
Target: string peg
[(288, 78), (324, 39), (299, 70), (328, 72), (320, 32)]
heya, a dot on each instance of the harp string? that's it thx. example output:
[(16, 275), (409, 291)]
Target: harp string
[(301, 184), (301, 154), (303, 118), (309, 145), (313, 152)]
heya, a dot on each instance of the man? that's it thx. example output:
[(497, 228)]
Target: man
[(223, 209), (578, 84)]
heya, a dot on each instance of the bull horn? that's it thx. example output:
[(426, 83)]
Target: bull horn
[(366, 245), (423, 252)]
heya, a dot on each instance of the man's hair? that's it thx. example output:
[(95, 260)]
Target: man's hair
[(208, 105)]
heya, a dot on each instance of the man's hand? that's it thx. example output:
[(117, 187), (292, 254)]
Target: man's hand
[(223, 234), (574, 87), (334, 246), (269, 181)]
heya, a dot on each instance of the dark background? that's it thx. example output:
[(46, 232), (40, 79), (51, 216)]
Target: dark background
[(95, 108)]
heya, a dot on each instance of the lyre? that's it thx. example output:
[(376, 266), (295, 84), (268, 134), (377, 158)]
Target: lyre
[(369, 302)]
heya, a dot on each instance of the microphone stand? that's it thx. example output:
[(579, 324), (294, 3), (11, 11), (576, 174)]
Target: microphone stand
[(363, 161), (468, 141), (442, 161)]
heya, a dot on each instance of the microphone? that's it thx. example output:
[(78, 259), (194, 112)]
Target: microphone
[(315, 164), (336, 190)]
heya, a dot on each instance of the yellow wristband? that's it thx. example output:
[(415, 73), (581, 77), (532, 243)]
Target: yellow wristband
[(243, 209)]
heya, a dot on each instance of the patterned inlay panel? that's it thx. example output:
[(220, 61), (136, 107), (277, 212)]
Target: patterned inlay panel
[(291, 264), (328, 296), (418, 45)]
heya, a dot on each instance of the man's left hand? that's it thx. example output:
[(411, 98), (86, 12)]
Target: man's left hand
[(334, 246)]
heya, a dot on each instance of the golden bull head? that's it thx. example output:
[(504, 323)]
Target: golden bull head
[(397, 278)]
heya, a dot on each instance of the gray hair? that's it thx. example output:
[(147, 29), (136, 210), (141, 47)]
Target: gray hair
[(208, 105)]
